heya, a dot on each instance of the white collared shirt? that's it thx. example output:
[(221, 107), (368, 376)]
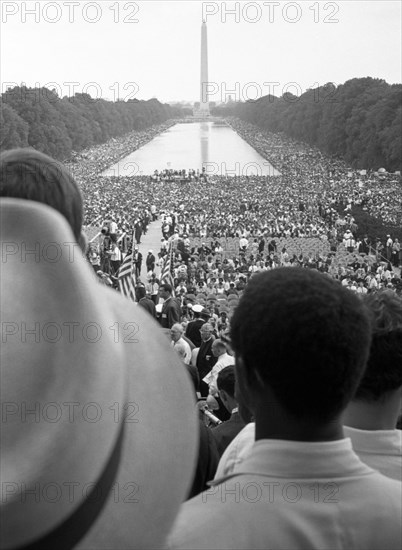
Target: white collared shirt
[(379, 449), (295, 495)]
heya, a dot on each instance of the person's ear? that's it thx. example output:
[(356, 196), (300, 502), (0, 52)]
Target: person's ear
[(223, 396), (83, 241)]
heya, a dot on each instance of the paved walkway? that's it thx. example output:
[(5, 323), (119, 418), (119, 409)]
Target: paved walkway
[(151, 241)]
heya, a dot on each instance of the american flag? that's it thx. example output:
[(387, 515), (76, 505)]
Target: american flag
[(166, 275), (126, 276)]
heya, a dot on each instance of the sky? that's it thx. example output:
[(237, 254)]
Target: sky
[(127, 50)]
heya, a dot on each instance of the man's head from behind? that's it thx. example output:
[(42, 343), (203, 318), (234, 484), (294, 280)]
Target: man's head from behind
[(218, 348), (225, 383), (302, 338), (384, 367), (31, 175), (140, 293)]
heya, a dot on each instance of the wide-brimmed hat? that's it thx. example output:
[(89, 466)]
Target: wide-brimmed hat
[(87, 458), (205, 314)]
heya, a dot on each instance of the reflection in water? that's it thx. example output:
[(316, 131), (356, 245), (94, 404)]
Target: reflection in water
[(215, 147), (204, 140)]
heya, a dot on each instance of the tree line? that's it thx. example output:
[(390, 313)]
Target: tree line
[(39, 118), (359, 121)]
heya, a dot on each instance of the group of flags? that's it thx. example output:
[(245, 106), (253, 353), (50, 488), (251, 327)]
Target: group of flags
[(126, 274)]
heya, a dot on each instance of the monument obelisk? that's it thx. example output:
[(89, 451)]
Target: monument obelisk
[(204, 103)]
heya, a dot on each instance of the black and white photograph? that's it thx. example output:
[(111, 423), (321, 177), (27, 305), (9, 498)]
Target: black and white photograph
[(201, 275)]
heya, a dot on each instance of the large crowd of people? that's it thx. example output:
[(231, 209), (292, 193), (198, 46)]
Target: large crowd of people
[(285, 362), (327, 181), (225, 228)]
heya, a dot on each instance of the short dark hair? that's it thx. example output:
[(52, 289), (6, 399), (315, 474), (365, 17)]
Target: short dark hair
[(384, 366), (226, 380), (31, 175), (140, 292), (167, 287), (305, 336)]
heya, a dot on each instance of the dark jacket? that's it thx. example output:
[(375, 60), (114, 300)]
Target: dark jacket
[(148, 305), (207, 464), (227, 431), (193, 331), (171, 313)]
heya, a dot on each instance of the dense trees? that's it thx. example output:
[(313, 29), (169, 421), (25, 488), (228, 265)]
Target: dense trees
[(359, 121), (57, 126), (13, 129)]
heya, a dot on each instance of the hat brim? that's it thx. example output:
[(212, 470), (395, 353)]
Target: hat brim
[(113, 380)]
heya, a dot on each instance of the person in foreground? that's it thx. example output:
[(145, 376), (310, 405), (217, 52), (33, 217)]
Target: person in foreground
[(372, 415), (86, 460), (302, 486)]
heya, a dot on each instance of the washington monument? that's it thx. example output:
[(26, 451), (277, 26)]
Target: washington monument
[(203, 110)]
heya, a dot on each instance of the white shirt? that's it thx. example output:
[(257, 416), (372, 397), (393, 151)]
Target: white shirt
[(295, 495), (379, 449), (237, 450), (116, 253), (224, 361), (361, 290), (113, 227), (152, 288), (183, 349)]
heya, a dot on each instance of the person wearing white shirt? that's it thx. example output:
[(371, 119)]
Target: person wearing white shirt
[(388, 247), (152, 288), (361, 289), (373, 284), (179, 344), (371, 417), (113, 228), (243, 243), (224, 360), (302, 486), (116, 257)]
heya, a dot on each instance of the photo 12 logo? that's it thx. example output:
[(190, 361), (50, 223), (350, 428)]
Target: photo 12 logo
[(126, 169), (68, 491), (69, 12), (225, 92), (271, 12), (68, 332), (53, 92), (69, 412), (238, 169), (273, 491)]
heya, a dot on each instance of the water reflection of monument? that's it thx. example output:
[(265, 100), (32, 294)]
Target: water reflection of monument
[(203, 110), (204, 140)]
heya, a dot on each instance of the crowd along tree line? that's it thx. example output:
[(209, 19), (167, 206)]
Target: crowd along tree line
[(39, 118), (359, 121)]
